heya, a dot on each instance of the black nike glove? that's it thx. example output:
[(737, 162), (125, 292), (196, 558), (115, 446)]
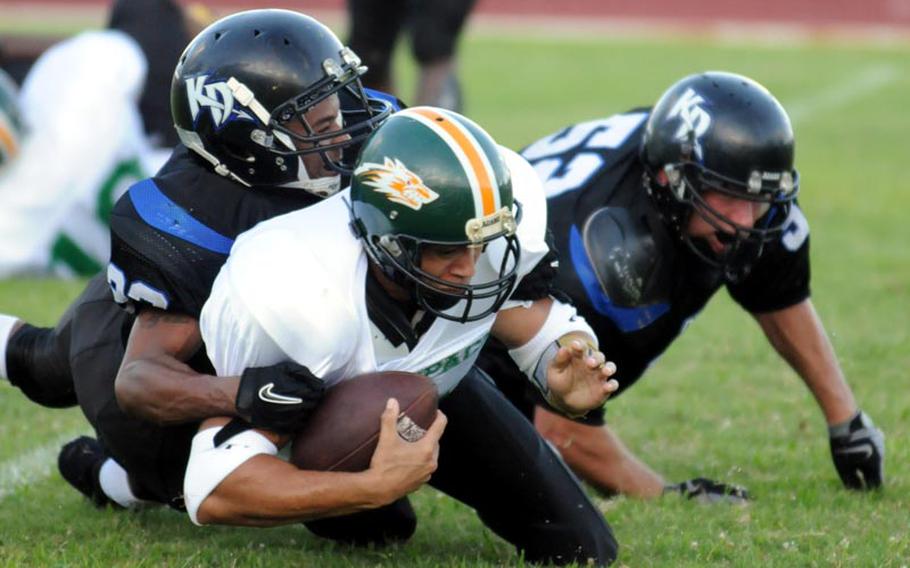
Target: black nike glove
[(280, 397), (858, 451), (708, 491)]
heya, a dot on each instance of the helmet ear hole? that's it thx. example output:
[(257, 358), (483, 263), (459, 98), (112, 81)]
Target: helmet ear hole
[(238, 152), (391, 246)]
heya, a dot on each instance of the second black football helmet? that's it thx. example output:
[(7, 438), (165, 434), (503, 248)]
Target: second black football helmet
[(721, 132), (246, 78)]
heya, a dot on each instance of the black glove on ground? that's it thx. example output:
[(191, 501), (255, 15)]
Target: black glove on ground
[(858, 451), (709, 491)]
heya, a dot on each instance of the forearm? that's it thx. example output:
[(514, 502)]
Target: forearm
[(239, 481), (799, 337), (164, 390), (250, 496), (599, 457)]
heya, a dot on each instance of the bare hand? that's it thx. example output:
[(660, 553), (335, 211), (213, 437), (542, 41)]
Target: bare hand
[(579, 378), (400, 466)]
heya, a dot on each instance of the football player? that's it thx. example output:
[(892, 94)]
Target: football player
[(105, 131), (433, 29), (655, 210), (82, 143), (257, 100), (412, 270)]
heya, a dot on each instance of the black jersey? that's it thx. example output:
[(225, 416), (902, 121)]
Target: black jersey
[(169, 237), (591, 172), (171, 233)]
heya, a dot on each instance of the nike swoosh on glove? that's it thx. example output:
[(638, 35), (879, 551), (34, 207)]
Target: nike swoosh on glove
[(858, 451), (280, 397)]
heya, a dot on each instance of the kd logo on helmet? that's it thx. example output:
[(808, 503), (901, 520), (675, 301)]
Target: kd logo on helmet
[(400, 184), (217, 97), (695, 119)]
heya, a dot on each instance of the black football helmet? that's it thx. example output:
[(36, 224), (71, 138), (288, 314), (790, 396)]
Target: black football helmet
[(244, 79), (721, 132)]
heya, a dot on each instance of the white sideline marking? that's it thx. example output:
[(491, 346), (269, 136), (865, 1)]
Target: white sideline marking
[(32, 466), (868, 81)]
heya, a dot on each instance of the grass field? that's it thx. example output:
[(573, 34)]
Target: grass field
[(719, 403)]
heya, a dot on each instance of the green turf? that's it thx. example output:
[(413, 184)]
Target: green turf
[(718, 404)]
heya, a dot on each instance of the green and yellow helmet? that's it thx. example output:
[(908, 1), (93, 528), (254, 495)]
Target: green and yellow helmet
[(431, 176), (11, 129)]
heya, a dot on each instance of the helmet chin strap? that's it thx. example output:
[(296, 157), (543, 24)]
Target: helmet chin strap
[(320, 187)]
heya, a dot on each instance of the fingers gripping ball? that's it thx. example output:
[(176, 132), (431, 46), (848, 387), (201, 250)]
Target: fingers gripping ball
[(343, 431)]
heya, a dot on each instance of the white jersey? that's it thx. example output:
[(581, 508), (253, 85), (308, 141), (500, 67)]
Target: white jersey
[(85, 144), (294, 288)]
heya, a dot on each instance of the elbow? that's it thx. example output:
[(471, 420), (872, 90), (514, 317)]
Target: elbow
[(126, 391), (216, 510), (210, 513), (132, 394)]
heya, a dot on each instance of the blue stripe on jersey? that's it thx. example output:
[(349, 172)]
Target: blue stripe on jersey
[(626, 319), (163, 214), (374, 94)]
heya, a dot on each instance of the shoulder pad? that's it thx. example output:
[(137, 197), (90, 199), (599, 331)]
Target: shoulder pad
[(299, 295), (528, 191), (532, 226), (631, 256)]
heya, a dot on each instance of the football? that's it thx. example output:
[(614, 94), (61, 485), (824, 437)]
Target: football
[(343, 431)]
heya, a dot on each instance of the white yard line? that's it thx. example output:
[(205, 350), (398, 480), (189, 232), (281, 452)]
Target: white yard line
[(33, 466), (850, 89)]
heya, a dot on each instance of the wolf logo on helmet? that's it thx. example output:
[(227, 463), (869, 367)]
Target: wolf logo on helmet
[(398, 182)]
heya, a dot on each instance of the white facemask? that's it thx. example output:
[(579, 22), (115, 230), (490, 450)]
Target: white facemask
[(320, 187)]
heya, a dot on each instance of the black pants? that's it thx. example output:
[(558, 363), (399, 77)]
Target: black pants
[(493, 460), (375, 26), (155, 456), (43, 362), (77, 362)]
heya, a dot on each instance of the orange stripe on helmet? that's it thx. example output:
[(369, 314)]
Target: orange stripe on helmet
[(485, 177)]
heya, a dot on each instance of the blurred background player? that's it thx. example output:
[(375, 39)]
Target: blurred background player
[(93, 123), (11, 129), (162, 28), (434, 27), (655, 210)]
